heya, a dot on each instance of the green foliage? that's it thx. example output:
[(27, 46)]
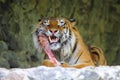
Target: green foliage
[(97, 20), (3, 46)]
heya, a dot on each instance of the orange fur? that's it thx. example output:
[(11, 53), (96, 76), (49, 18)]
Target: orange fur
[(72, 52)]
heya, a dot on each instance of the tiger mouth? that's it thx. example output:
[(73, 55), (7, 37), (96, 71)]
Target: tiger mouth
[(53, 39)]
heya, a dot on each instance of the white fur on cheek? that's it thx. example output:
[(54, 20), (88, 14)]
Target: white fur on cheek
[(55, 46), (65, 35), (66, 50), (36, 43), (73, 40)]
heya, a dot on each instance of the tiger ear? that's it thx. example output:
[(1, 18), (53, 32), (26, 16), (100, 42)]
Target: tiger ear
[(73, 21), (39, 19)]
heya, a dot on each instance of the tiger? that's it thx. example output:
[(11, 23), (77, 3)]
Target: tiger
[(66, 44), (97, 55)]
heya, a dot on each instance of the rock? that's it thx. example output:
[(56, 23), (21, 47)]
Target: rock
[(59, 73)]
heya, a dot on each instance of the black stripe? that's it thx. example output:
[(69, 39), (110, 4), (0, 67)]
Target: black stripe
[(74, 47), (78, 58), (95, 53), (72, 50)]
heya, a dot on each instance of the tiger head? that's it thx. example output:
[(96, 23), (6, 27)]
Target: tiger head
[(57, 30)]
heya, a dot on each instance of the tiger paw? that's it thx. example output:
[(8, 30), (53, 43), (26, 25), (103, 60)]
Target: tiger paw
[(48, 63), (64, 64)]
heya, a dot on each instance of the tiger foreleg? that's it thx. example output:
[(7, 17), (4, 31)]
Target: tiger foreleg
[(48, 63), (76, 65)]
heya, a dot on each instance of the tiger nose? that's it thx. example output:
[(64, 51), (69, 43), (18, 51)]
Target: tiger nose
[(53, 31)]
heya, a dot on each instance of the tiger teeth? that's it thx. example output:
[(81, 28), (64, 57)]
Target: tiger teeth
[(52, 40), (49, 38)]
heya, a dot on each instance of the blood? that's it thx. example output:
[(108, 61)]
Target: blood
[(44, 42)]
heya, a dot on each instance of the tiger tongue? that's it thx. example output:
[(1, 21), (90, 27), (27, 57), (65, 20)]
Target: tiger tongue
[(44, 42), (51, 56)]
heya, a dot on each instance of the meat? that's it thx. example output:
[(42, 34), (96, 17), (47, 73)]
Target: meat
[(45, 44)]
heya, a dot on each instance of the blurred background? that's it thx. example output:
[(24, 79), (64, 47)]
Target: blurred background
[(98, 22)]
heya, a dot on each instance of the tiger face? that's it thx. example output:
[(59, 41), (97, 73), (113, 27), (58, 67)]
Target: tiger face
[(56, 30)]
